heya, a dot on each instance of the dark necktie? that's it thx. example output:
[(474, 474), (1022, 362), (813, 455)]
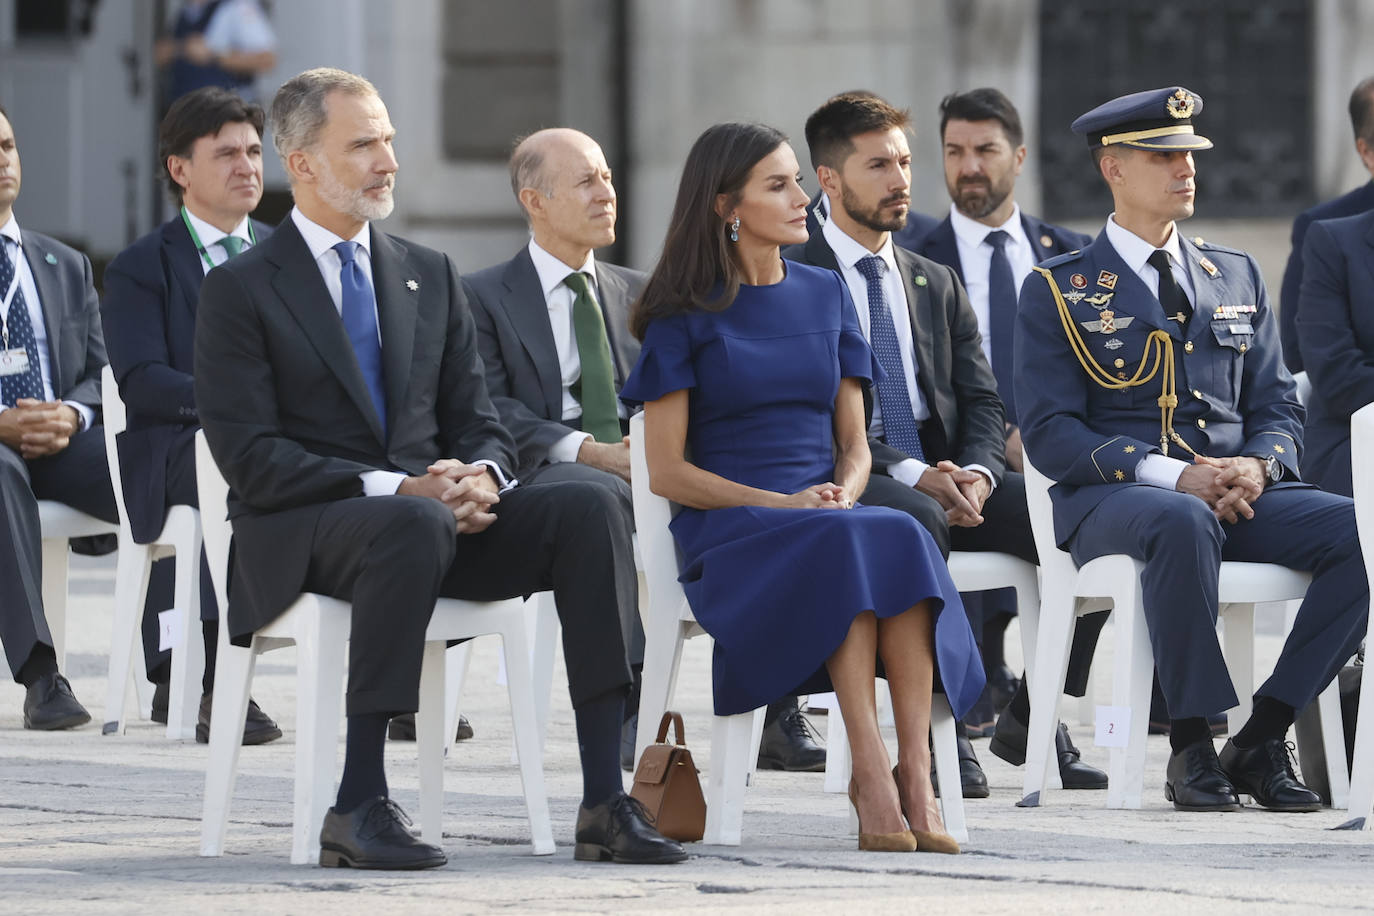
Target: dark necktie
[(19, 330), (894, 399), (1002, 317), (232, 244), (1173, 299), (360, 321), (596, 387)]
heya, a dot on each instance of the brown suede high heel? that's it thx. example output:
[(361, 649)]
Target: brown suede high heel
[(902, 841), (926, 841)]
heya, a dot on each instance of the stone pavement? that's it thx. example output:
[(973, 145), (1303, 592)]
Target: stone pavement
[(93, 824)]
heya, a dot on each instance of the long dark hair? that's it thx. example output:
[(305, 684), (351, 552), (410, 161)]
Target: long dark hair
[(697, 254)]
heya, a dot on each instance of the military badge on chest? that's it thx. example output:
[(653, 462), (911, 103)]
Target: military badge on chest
[(1108, 322)]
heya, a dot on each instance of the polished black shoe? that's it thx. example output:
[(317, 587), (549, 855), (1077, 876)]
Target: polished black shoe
[(789, 743), (629, 732), (258, 727), (1009, 743), (1194, 780), (972, 780), (1265, 773), (402, 728), (50, 705), (162, 698), (376, 834), (620, 831)]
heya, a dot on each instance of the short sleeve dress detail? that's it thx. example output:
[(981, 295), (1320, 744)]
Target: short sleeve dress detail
[(779, 588)]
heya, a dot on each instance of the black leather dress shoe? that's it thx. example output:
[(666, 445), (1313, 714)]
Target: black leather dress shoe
[(1009, 743), (402, 728), (619, 831), (50, 705), (162, 698), (1265, 773), (376, 834), (972, 779), (1194, 780), (629, 731), (789, 743), (258, 727)]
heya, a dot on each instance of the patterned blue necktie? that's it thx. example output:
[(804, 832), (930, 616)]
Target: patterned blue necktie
[(1002, 317), (360, 321), (894, 399), (29, 383)]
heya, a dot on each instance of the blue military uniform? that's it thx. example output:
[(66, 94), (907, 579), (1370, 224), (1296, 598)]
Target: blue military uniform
[(1104, 378)]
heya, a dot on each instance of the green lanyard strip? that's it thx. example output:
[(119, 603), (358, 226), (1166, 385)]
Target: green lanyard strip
[(195, 238)]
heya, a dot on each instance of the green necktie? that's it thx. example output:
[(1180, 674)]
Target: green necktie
[(232, 244), (597, 394)]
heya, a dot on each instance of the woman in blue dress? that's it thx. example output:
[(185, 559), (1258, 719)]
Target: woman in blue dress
[(753, 367)]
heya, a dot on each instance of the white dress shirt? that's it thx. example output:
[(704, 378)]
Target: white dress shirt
[(210, 237), (11, 238), (1154, 469), (321, 243), (975, 259)]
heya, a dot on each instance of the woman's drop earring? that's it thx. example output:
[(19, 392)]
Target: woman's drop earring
[(734, 229)]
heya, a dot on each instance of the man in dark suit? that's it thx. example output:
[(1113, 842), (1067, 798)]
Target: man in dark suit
[(953, 480), (1190, 465), (342, 395), (210, 145), (1348, 204), (51, 444), (553, 332)]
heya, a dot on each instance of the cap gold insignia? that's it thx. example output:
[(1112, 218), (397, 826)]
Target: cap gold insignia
[(412, 285), (1180, 105), (1046, 241), (1208, 266), (1106, 279), (1078, 281)]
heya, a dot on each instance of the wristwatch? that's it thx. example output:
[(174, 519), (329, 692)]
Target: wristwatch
[(1273, 468)]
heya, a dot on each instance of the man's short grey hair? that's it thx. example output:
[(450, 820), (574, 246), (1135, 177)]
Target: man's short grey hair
[(298, 114), (527, 170)]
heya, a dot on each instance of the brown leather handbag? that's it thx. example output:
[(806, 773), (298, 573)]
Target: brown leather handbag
[(666, 782)]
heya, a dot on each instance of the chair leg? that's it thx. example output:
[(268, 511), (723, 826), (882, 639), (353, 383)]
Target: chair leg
[(544, 644), (321, 647), (429, 742), (728, 777), (529, 744), (56, 554), (947, 767), (188, 660), (131, 588), (233, 677), (1238, 647), (455, 674), (1361, 799), (662, 655), (1046, 669), (1132, 674), (839, 765), (1333, 744)]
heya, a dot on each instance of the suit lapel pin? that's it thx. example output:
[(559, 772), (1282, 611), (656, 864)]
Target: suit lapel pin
[(1078, 281), (50, 258), (1106, 279), (920, 280), (412, 285), (1046, 242)]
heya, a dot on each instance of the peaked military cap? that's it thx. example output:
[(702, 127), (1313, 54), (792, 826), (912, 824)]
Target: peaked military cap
[(1156, 119)]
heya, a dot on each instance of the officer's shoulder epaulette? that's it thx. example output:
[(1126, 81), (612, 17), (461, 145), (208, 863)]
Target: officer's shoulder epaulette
[(1061, 259), (1204, 245)]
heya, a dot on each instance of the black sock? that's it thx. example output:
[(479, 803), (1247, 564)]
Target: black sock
[(1020, 704), (777, 708), (364, 773), (598, 723), (1183, 732), (994, 641), (1269, 719), (632, 699), (42, 662), (209, 631)]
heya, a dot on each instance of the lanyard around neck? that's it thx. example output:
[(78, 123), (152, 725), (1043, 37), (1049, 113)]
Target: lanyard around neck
[(195, 238)]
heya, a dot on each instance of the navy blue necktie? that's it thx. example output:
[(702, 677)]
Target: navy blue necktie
[(29, 383), (360, 321), (894, 399), (1002, 317)]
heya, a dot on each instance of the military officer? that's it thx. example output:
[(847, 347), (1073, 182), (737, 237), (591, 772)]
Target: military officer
[(1151, 386)]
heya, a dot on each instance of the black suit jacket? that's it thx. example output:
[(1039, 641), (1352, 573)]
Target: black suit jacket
[(149, 316), (71, 315), (515, 339), (287, 414), (966, 422), (1290, 293)]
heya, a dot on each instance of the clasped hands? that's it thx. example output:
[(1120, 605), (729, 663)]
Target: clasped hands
[(960, 492), (468, 490), (1228, 485), (821, 496), (36, 428)]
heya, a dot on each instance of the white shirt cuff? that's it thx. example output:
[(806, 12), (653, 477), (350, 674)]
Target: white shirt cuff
[(503, 484), (992, 483), (1160, 471), (908, 471), (565, 449), (87, 415), (381, 483)]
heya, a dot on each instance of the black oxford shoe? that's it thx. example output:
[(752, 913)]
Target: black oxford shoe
[(50, 705), (1009, 743), (789, 743), (619, 831), (376, 834), (258, 726), (1265, 773), (972, 780), (402, 728), (1194, 780)]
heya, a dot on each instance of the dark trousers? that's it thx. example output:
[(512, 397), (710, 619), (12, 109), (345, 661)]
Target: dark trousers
[(392, 556), (77, 476), (1182, 545)]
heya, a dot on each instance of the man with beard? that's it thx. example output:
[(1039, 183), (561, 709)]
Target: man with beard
[(952, 476)]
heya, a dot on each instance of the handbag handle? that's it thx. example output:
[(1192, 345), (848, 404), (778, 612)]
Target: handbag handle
[(676, 720)]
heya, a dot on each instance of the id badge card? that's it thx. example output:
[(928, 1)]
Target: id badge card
[(14, 361)]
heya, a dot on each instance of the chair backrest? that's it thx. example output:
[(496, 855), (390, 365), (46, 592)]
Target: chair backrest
[(1304, 383), (1362, 479), (1055, 564), (216, 532), (657, 549), (115, 421)]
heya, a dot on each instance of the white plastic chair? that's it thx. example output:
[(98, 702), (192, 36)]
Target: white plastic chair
[(1361, 798), (734, 739), (59, 524), (1117, 577), (179, 538), (319, 627)]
